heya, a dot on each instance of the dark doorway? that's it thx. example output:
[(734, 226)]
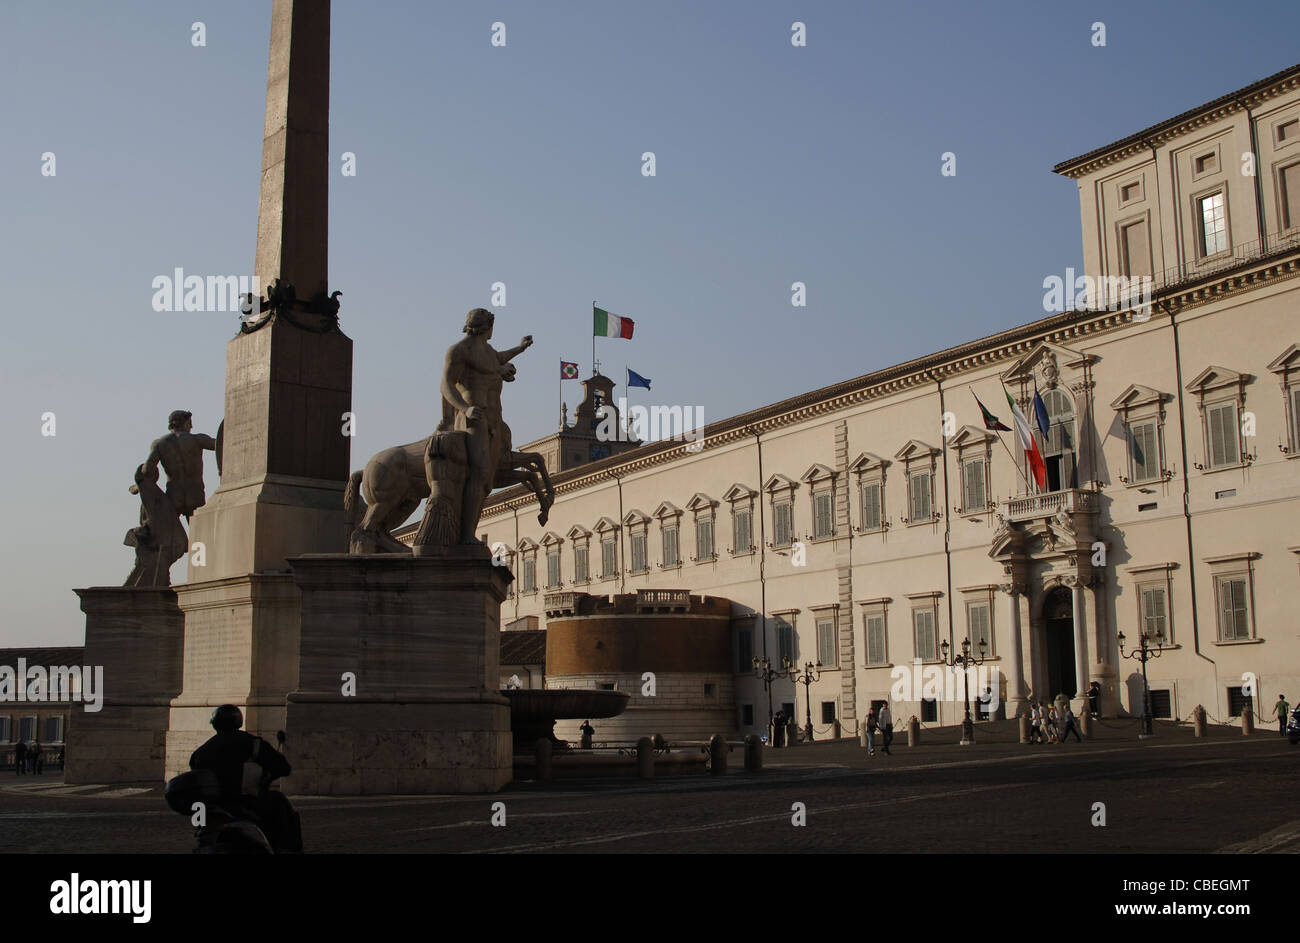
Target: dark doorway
[(1058, 622)]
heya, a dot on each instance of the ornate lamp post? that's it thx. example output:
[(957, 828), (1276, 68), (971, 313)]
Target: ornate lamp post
[(764, 672), (1144, 654), (965, 661), (805, 676)]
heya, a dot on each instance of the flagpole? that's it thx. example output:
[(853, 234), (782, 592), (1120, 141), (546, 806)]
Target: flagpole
[(1014, 463), (593, 337)]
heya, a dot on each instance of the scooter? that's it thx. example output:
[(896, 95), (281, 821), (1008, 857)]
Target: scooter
[(225, 830), (1293, 727)]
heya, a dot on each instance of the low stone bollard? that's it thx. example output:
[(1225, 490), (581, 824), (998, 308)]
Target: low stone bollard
[(1024, 728), (913, 732), (542, 752), (836, 729), (1198, 720), (753, 754), (1247, 721), (862, 735), (718, 755), (645, 758)]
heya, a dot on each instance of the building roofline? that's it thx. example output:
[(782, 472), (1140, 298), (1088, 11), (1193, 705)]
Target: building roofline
[(1261, 90)]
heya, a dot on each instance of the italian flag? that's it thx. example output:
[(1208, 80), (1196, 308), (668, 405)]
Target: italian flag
[(610, 325), (1036, 463)]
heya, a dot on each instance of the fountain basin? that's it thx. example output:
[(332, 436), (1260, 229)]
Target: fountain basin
[(533, 712)]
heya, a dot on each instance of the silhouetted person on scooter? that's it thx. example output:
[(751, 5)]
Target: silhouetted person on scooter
[(227, 754)]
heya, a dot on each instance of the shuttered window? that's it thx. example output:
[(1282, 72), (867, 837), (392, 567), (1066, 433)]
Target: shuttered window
[(822, 520), (670, 545), (1234, 617), (978, 628), (553, 569), (872, 510), (1155, 619), (1289, 186), (781, 524), (704, 538), (974, 497), (918, 486), (607, 558), (1143, 451), (580, 564), (785, 640), (741, 534), (875, 629), (826, 647), (638, 553), (1221, 426), (927, 645)]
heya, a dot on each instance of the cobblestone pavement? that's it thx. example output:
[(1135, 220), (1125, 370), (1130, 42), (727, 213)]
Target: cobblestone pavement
[(1172, 794)]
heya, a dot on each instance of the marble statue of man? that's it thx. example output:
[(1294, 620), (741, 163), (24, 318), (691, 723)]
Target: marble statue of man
[(472, 377), (181, 453)]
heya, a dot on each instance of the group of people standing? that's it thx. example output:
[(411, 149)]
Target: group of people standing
[(28, 759)]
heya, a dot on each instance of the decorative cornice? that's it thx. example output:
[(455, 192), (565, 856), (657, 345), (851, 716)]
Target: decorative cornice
[(1252, 96), (1010, 345)]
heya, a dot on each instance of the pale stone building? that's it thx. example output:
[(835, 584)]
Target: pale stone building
[(864, 524)]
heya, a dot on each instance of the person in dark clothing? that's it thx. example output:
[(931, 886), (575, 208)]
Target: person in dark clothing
[(588, 732), (234, 755), (38, 760), (1094, 699), (778, 729), (20, 757)]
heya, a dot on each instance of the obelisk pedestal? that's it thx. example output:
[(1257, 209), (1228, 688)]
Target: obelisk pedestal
[(399, 675), (135, 634)]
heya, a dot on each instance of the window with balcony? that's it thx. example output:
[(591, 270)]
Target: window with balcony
[(1058, 447)]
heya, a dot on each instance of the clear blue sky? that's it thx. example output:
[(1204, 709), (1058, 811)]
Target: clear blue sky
[(522, 164)]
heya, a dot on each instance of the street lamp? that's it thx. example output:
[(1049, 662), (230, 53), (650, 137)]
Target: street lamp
[(1144, 653), (967, 661), (805, 676), (764, 672)]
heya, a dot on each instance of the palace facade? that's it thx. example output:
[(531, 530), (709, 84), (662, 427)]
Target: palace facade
[(863, 525)]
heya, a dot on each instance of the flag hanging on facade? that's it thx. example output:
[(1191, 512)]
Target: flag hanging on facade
[(610, 325), (1036, 464), (1040, 413), (990, 421), (568, 371), (635, 379)]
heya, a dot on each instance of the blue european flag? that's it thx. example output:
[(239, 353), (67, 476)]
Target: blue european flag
[(1040, 413), (635, 379)]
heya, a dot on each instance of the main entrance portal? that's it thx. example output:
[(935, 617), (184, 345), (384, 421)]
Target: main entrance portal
[(1058, 622)]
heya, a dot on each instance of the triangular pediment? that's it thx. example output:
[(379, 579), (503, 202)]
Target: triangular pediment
[(578, 532), (604, 525), (971, 435), (1030, 367), (527, 544), (700, 502), (1216, 378), (867, 461), (635, 516), (1286, 362), (915, 449), (817, 472), (667, 509), (779, 482), (738, 492), (551, 538), (1137, 395)]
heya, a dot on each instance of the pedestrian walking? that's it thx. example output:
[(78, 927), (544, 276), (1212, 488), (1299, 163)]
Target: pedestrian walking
[(20, 758), (1068, 726), (887, 725), (1053, 730), (1035, 724), (1283, 711), (871, 732)]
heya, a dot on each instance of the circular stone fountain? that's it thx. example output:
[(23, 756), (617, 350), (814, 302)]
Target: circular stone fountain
[(533, 712)]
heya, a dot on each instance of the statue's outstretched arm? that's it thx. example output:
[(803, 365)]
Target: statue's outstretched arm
[(207, 442), (505, 356)]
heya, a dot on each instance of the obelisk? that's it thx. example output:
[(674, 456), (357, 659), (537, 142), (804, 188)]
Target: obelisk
[(284, 449)]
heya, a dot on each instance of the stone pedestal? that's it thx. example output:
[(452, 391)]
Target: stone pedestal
[(399, 675), (135, 634), (241, 648)]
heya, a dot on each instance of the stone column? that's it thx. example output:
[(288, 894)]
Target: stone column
[(1082, 661), (1103, 670), (1016, 668)]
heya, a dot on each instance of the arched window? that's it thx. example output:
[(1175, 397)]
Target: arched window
[(1059, 448)]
